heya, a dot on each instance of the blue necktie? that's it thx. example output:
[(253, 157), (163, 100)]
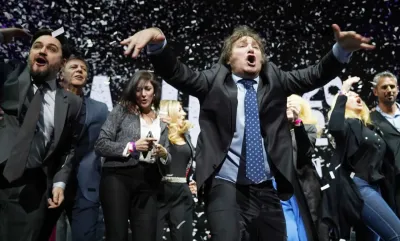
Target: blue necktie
[(255, 167)]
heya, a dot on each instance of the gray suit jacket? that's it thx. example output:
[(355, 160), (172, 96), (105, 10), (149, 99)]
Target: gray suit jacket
[(120, 128), (15, 81)]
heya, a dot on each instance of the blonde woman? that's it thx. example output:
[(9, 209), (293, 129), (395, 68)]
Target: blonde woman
[(175, 202), (364, 158), (300, 211)]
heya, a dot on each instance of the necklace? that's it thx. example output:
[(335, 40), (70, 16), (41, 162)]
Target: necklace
[(148, 116)]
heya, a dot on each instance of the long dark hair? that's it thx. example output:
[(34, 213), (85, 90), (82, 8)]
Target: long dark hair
[(128, 97)]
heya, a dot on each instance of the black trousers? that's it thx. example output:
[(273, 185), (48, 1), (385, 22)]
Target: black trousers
[(82, 215), (244, 212), (130, 193), (23, 206), (175, 205)]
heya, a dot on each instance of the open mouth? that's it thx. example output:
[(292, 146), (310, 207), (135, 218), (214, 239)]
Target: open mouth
[(78, 77), (251, 60), (41, 61), (359, 101)]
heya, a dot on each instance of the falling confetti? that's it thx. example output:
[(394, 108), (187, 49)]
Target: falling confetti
[(297, 34)]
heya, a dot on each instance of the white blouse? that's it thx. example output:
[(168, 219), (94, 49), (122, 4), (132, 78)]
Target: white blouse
[(145, 128)]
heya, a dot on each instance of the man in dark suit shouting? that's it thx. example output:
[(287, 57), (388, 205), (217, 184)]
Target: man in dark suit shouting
[(36, 135), (245, 139)]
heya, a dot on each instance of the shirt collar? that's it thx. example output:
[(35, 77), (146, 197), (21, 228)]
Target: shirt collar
[(237, 78), (52, 84), (377, 108)]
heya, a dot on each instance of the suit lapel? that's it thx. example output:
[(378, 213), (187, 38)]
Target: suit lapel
[(262, 86), (189, 142), (24, 83), (163, 135), (385, 125), (88, 116), (231, 91)]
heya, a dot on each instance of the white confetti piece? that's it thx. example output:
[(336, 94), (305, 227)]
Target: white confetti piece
[(8, 16), (337, 166), (325, 187), (332, 175), (352, 175), (89, 43), (57, 32), (179, 225)]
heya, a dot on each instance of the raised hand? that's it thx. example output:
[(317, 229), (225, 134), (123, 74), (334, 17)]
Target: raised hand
[(10, 33), (293, 109), (348, 83), (139, 40), (350, 40)]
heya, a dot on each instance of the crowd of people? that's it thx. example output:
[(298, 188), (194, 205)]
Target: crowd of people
[(62, 152)]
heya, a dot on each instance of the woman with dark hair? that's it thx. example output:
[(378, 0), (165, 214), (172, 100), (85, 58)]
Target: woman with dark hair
[(175, 203), (130, 177)]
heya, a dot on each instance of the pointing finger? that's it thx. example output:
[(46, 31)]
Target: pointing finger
[(336, 30)]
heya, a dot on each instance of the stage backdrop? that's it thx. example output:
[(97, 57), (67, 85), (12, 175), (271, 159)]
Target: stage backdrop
[(297, 34)]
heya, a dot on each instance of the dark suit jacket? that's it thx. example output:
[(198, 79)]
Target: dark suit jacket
[(16, 80), (89, 166), (306, 181), (390, 134), (344, 212), (392, 139), (217, 94)]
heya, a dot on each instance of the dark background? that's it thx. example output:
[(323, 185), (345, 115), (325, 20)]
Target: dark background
[(297, 33)]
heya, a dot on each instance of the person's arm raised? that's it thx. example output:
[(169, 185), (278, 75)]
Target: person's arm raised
[(329, 67), (175, 73)]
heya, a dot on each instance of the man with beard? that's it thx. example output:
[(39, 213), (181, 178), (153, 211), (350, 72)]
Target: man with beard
[(36, 135), (387, 117), (244, 141), (82, 202)]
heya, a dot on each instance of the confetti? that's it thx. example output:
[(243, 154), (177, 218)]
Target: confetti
[(332, 175), (57, 32), (89, 43), (337, 166), (197, 31), (352, 175), (325, 187)]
